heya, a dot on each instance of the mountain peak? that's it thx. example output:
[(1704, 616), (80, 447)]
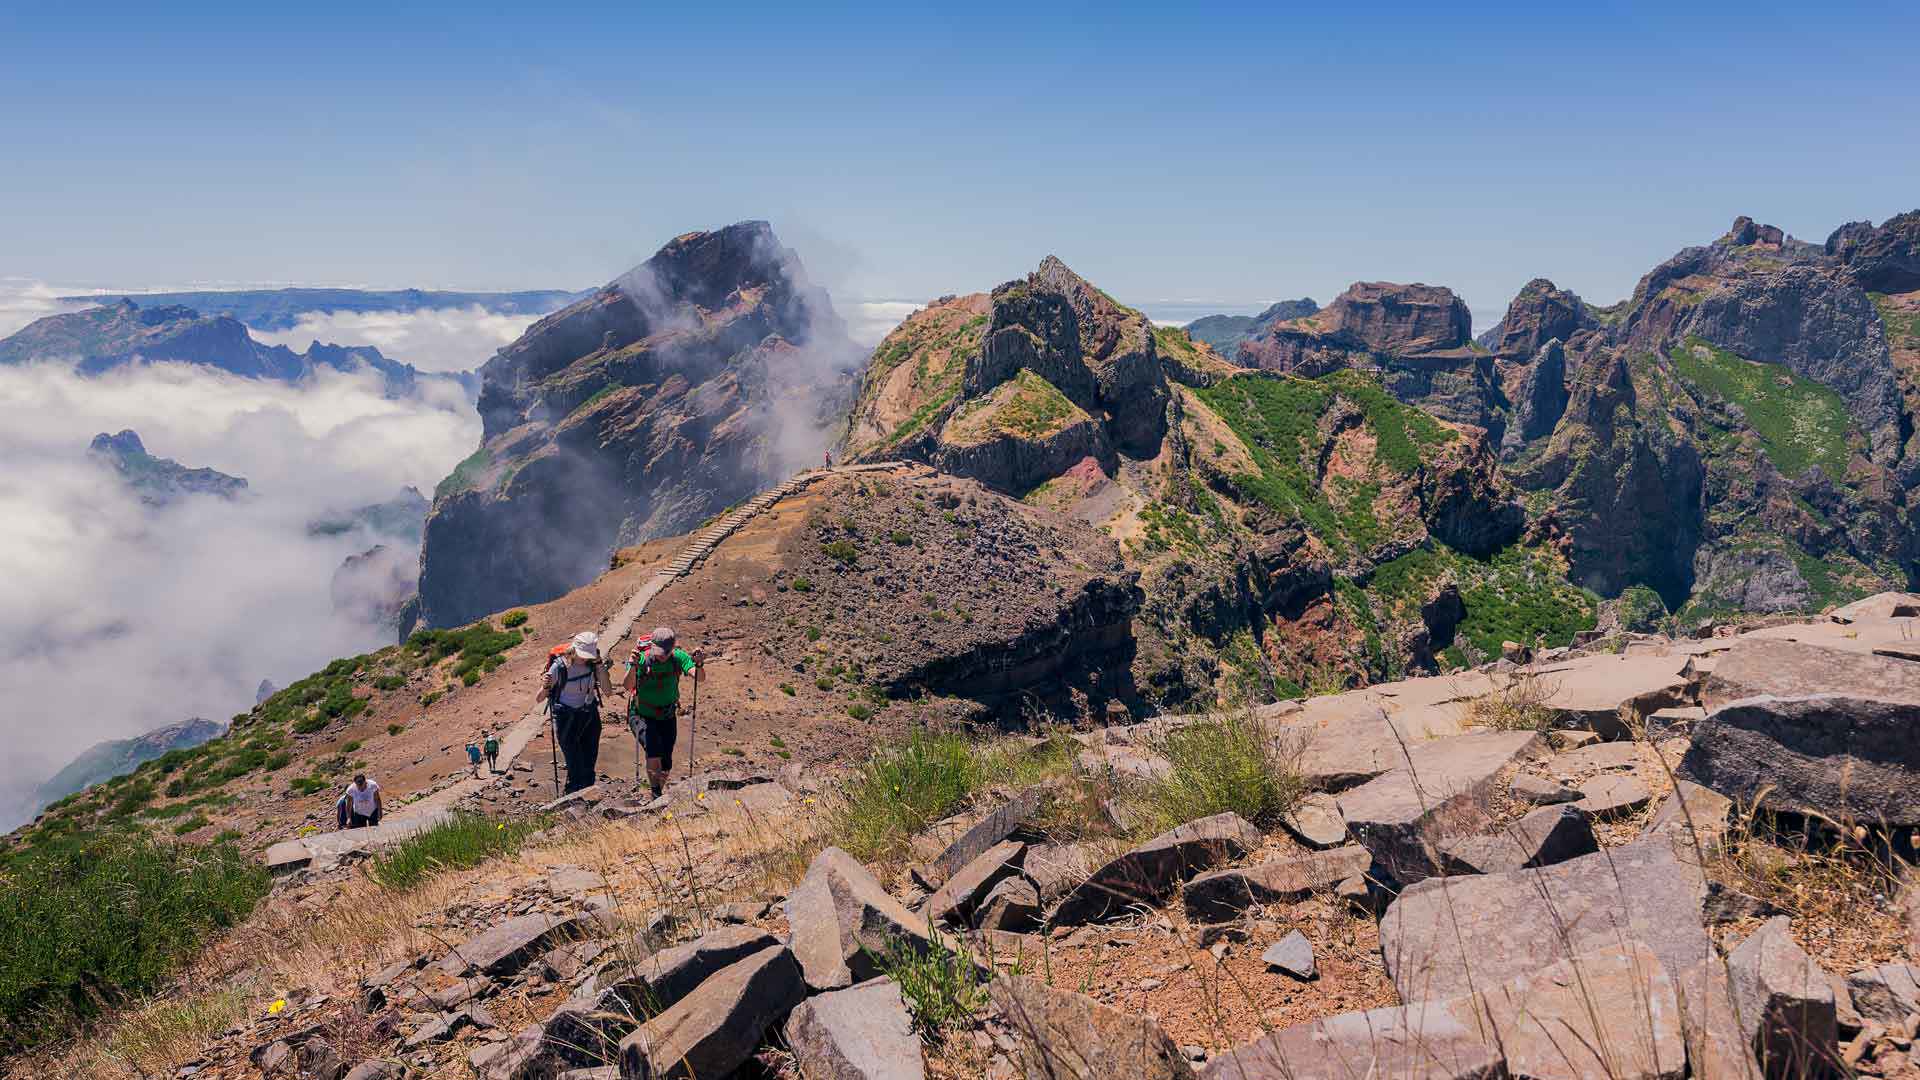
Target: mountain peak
[(125, 443)]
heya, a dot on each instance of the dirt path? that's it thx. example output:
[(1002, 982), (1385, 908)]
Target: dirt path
[(615, 629)]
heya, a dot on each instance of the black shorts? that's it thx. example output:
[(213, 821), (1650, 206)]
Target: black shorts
[(658, 733)]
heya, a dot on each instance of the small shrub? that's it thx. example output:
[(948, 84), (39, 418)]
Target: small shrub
[(389, 682), (395, 729), (903, 539), (511, 619), (278, 761), (470, 677), (308, 785), (801, 584), (824, 682), (427, 698), (787, 689), (1220, 765), (461, 841), (842, 552), (350, 747), (1520, 705), (813, 633), (777, 742), (307, 725), (733, 751), (943, 989), (900, 789), (187, 825), (859, 711)]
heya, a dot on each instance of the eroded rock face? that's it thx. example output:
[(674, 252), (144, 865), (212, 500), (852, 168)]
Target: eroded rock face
[(1841, 757), (1065, 1036), (715, 1029), (704, 375), (1884, 259), (861, 1033), (1151, 872), (1540, 312)]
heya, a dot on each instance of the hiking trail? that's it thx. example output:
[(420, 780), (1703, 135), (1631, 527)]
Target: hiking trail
[(422, 814)]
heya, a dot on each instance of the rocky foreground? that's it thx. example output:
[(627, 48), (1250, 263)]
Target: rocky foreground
[(1636, 858)]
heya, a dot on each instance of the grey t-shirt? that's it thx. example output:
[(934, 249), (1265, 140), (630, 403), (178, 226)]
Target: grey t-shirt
[(573, 682)]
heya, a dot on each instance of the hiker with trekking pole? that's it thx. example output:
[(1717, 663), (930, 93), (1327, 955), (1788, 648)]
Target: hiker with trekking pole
[(575, 684), (653, 700)]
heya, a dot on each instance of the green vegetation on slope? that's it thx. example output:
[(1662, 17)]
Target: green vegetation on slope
[(1903, 326), (89, 926), (1520, 594), (1278, 416), (1801, 423), (464, 475)]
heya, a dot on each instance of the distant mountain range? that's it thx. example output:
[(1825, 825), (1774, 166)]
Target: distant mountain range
[(280, 309), (1226, 332), (101, 339)]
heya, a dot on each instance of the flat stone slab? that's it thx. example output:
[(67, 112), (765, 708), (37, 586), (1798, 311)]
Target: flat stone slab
[(1529, 788), (1757, 666), (1841, 757), (1422, 1041), (1886, 993), (1067, 1036), (1551, 834), (1444, 936), (1611, 796), (956, 900), (506, 947), (1339, 742), (842, 919), (714, 1030), (1609, 1013), (1442, 791), (665, 977), (1694, 819), (1124, 761), (861, 1033), (1223, 894), (1595, 758), (290, 855), (1292, 954), (1612, 694), (1316, 821), (987, 832), (1151, 872)]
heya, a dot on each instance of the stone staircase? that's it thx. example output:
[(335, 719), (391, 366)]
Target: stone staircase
[(404, 821)]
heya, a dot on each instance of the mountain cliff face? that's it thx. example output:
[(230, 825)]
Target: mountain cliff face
[(702, 376), (1225, 332), (1251, 503), (101, 339), (108, 759)]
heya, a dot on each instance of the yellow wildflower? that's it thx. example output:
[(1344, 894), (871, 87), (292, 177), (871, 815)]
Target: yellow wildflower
[(278, 1004)]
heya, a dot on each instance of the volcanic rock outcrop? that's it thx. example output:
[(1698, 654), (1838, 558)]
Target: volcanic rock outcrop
[(697, 379)]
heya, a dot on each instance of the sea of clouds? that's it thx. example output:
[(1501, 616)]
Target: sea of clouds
[(117, 618)]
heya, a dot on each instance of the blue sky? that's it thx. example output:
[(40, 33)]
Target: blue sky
[(1221, 154)]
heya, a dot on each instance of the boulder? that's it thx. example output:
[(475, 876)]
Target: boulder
[(377, 1070), (714, 1030), (1719, 1046), (1611, 1012), (1444, 936), (1013, 906), (1292, 954), (1529, 788), (1223, 894), (1694, 819), (985, 833), (1150, 873), (1442, 791), (1422, 1041), (1785, 1003), (1316, 822), (1551, 834), (861, 1033), (1612, 694), (1065, 1036), (1611, 796), (1841, 757), (1886, 993), (956, 900), (1055, 868), (841, 918), (1758, 666), (660, 980), (506, 947)]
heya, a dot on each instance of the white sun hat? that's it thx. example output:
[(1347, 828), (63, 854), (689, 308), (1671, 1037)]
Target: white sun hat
[(586, 645)]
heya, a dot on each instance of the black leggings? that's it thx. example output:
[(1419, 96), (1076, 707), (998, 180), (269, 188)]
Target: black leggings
[(577, 731)]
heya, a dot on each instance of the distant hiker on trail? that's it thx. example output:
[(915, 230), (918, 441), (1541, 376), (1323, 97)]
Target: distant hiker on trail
[(829, 456), (473, 757), (575, 684), (653, 699), (365, 804), (492, 747)]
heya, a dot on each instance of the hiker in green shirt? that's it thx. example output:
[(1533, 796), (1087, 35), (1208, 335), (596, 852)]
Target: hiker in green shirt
[(653, 699)]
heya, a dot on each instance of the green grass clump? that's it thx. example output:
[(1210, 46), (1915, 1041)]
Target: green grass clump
[(461, 841), (1219, 765), (389, 682), (942, 986), (902, 788), (1801, 423), (841, 551), (88, 926), (464, 475), (514, 618)]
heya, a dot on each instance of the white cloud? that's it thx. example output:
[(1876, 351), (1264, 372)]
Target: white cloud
[(115, 619), (870, 320), (23, 300), (431, 339)]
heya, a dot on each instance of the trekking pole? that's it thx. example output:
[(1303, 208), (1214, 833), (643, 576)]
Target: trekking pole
[(693, 722), (553, 736)]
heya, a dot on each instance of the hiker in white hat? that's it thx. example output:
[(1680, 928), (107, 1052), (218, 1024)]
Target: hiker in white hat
[(576, 683)]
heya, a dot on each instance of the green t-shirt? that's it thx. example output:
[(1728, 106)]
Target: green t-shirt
[(658, 685)]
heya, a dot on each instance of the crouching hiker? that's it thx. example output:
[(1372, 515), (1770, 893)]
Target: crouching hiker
[(653, 700), (365, 804), (575, 684)]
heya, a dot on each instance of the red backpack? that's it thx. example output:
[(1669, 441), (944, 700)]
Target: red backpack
[(593, 672)]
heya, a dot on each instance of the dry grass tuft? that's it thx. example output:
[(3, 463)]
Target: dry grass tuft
[(1520, 704)]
